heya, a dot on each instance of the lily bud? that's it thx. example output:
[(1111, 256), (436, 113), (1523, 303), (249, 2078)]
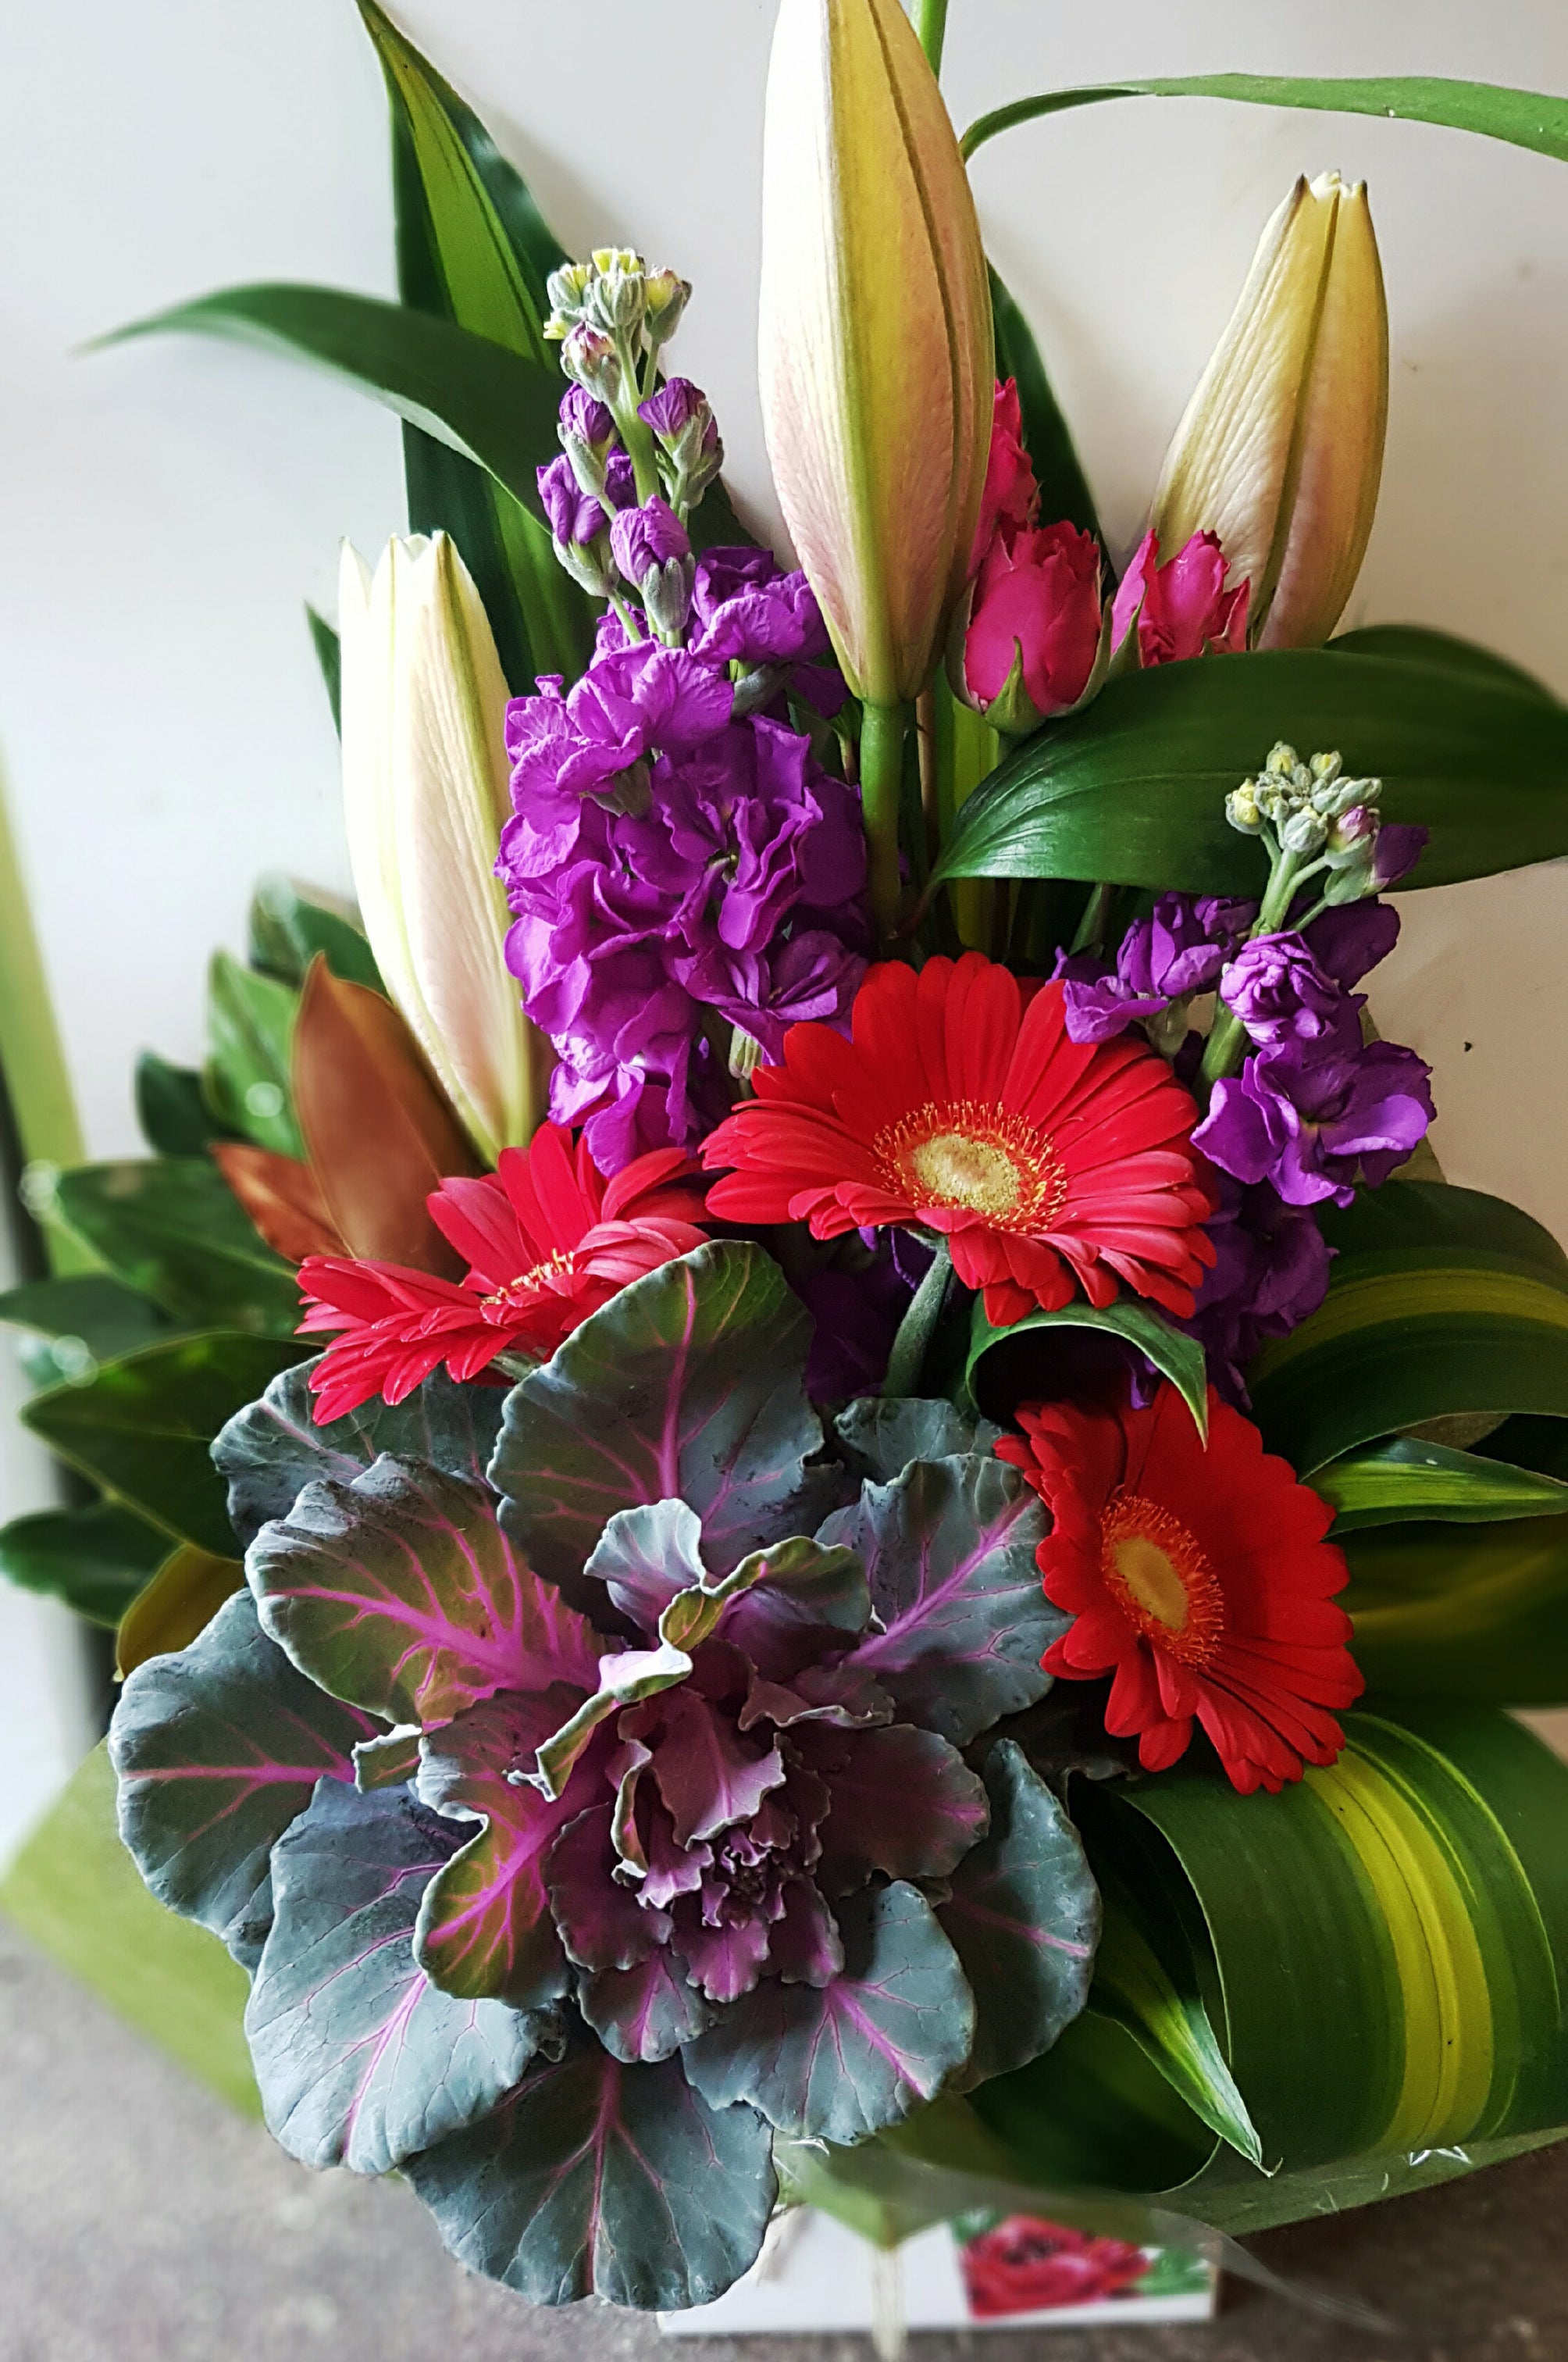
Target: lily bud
[(876, 354), (425, 795), (1280, 451)]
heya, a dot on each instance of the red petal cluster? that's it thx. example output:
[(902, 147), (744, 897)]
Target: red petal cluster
[(960, 1106), (549, 1240), (1201, 1578)]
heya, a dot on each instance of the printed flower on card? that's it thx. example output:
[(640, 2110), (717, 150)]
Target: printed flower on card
[(1199, 1577), (958, 1106), (548, 1239)]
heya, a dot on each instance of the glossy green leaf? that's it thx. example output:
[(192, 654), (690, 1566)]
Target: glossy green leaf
[(143, 1426), (251, 1030), (87, 1318), (472, 249), (1132, 789), (290, 924), (172, 1229), (172, 1109), (1525, 118), (75, 1892), (1417, 643), (1064, 488), (1387, 1484), (1451, 1611), (1385, 1945), (1024, 1363), (96, 1558), (329, 655), (468, 392), (1442, 1300)]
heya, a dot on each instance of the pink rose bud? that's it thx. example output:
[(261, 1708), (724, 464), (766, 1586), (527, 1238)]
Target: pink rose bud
[(1182, 607), (1034, 633), (1011, 497)]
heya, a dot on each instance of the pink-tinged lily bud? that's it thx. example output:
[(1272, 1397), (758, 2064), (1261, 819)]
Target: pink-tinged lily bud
[(876, 351), (1034, 630), (1181, 609), (1280, 452), (426, 791)]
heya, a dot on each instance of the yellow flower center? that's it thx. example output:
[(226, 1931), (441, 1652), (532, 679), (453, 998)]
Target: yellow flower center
[(965, 1157), (1159, 1574), (520, 1293)]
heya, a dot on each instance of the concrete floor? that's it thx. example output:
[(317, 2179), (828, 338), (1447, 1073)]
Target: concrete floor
[(141, 2222)]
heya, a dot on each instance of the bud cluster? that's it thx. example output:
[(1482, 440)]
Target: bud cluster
[(1310, 808)]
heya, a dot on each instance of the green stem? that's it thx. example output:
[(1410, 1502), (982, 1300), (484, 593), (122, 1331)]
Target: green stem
[(883, 729), (1091, 926), (916, 1329), (931, 24)]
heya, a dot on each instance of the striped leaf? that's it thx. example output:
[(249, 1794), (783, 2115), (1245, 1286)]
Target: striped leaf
[(1442, 1301), (1381, 1952), (1457, 1611)]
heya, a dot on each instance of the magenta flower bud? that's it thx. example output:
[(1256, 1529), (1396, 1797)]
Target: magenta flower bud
[(648, 537), (586, 419), (1034, 628), (1182, 608), (676, 406), (575, 517)]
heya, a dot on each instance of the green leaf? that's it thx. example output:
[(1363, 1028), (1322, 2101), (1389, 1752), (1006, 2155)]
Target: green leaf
[(172, 1109), (176, 1606), (329, 655), (1416, 644), (1442, 1300), (601, 2179), (1384, 1483), (89, 1318), (1386, 1942), (361, 2061), (1525, 118), (1008, 1366), (74, 1891), (96, 1559), (290, 924), (840, 2062), (272, 1448), (142, 1427), (250, 1028), (1064, 488), (1024, 1919), (217, 1750), (172, 1229), (688, 1384), (469, 393), (1132, 789), (1481, 1615)]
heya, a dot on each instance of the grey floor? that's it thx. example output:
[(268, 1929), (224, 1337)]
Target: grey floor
[(140, 2222)]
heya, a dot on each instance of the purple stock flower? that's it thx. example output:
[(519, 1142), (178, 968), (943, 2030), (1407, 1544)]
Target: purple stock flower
[(1399, 846), (628, 705), (1178, 949), (1350, 941), (672, 410), (1271, 1269), (586, 419), (1314, 1123), (645, 539), (1277, 989), (574, 516)]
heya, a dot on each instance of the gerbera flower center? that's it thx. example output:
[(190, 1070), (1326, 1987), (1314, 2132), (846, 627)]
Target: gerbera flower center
[(518, 1294), (1159, 1574), (969, 1158)]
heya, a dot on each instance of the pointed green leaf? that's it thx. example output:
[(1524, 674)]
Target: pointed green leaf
[(1450, 1611), (1525, 118), (1416, 644), (1386, 1483), (173, 1228), (250, 1028), (290, 924), (1008, 1366), (96, 1559), (142, 1428), (176, 1606), (1132, 788), (89, 1318), (172, 1109), (329, 655)]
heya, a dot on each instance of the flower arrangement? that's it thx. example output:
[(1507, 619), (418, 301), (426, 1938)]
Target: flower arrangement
[(805, 1490)]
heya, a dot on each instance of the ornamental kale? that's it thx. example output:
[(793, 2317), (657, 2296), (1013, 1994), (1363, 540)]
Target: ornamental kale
[(586, 1826)]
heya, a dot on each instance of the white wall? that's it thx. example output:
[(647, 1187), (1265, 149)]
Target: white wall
[(167, 507)]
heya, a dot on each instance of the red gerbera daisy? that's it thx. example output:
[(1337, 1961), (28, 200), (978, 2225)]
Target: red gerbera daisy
[(1201, 1578), (549, 1240), (958, 1108)]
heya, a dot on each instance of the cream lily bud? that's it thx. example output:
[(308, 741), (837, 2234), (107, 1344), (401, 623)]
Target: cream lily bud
[(426, 796), (876, 357), (1281, 449)]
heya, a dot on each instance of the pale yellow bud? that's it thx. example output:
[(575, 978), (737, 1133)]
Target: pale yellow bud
[(1280, 452), (425, 797), (876, 355)]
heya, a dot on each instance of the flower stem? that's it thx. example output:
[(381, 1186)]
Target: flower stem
[(1229, 1041), (883, 731), (916, 1329), (931, 24), (1096, 915)]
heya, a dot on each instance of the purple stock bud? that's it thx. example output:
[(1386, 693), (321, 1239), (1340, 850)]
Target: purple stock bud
[(575, 518), (590, 361), (1399, 846), (674, 407), (586, 419), (646, 538)]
